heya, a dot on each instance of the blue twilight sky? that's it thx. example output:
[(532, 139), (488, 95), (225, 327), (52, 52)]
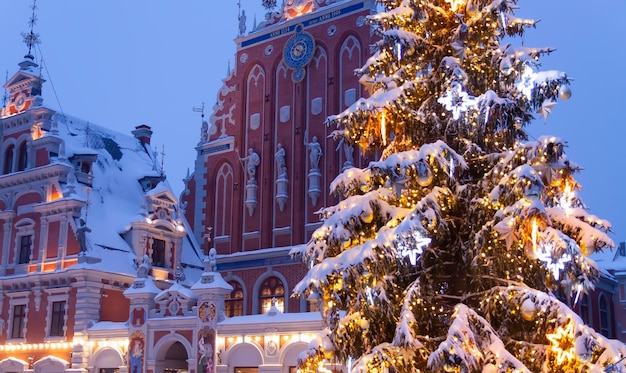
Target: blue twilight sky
[(123, 63)]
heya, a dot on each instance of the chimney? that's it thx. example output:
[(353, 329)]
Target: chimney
[(622, 248), (143, 133)]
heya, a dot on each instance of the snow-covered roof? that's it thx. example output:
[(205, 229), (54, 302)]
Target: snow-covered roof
[(177, 288), (143, 286), (109, 325), (115, 197), (611, 260)]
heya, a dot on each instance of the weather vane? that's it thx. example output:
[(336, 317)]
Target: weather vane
[(31, 38), (199, 110)]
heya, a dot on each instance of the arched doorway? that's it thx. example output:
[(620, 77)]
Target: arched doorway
[(107, 360), (174, 360)]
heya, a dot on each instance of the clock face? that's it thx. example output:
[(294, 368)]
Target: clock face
[(20, 101), (299, 49)]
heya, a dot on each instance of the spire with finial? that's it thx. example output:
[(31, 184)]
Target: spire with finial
[(179, 274), (162, 159), (5, 98), (87, 134), (31, 38)]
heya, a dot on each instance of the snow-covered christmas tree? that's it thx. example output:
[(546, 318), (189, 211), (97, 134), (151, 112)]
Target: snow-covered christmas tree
[(448, 252)]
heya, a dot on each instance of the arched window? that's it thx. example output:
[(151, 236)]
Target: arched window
[(603, 307), (22, 157), (272, 288), (223, 201), (234, 301), (585, 309), (8, 160)]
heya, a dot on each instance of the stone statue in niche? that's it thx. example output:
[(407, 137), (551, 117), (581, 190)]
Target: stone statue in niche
[(252, 161), (281, 178), (315, 151), (348, 151), (279, 157)]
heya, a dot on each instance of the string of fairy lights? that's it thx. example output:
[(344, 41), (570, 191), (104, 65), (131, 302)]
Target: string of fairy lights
[(440, 72)]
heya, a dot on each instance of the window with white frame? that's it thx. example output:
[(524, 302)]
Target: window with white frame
[(18, 318), (57, 322), (605, 317), (19, 321), (24, 250), (24, 241), (56, 315)]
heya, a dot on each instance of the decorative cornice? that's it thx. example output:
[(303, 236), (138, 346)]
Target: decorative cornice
[(34, 175)]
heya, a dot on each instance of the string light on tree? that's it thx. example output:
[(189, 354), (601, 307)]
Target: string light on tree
[(457, 101), (488, 220)]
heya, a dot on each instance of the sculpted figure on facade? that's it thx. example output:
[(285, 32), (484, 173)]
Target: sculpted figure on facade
[(279, 157), (315, 152), (81, 236), (252, 162)]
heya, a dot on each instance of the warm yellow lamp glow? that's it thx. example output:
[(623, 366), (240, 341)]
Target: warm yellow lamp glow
[(534, 234), (455, 3), (383, 129)]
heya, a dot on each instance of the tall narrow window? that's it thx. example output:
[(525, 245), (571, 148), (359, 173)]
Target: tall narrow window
[(272, 288), (57, 320), (8, 159), (223, 201), (604, 316), (22, 157), (19, 315), (584, 309), (24, 250), (158, 253), (234, 301)]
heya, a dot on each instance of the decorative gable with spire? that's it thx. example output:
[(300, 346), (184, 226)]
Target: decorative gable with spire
[(25, 86), (24, 89)]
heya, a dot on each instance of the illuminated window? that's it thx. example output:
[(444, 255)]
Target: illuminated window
[(158, 253), (19, 316), (8, 159), (604, 316), (234, 301), (26, 242), (57, 321), (270, 289), (22, 157)]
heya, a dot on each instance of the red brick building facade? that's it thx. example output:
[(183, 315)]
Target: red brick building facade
[(265, 161)]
